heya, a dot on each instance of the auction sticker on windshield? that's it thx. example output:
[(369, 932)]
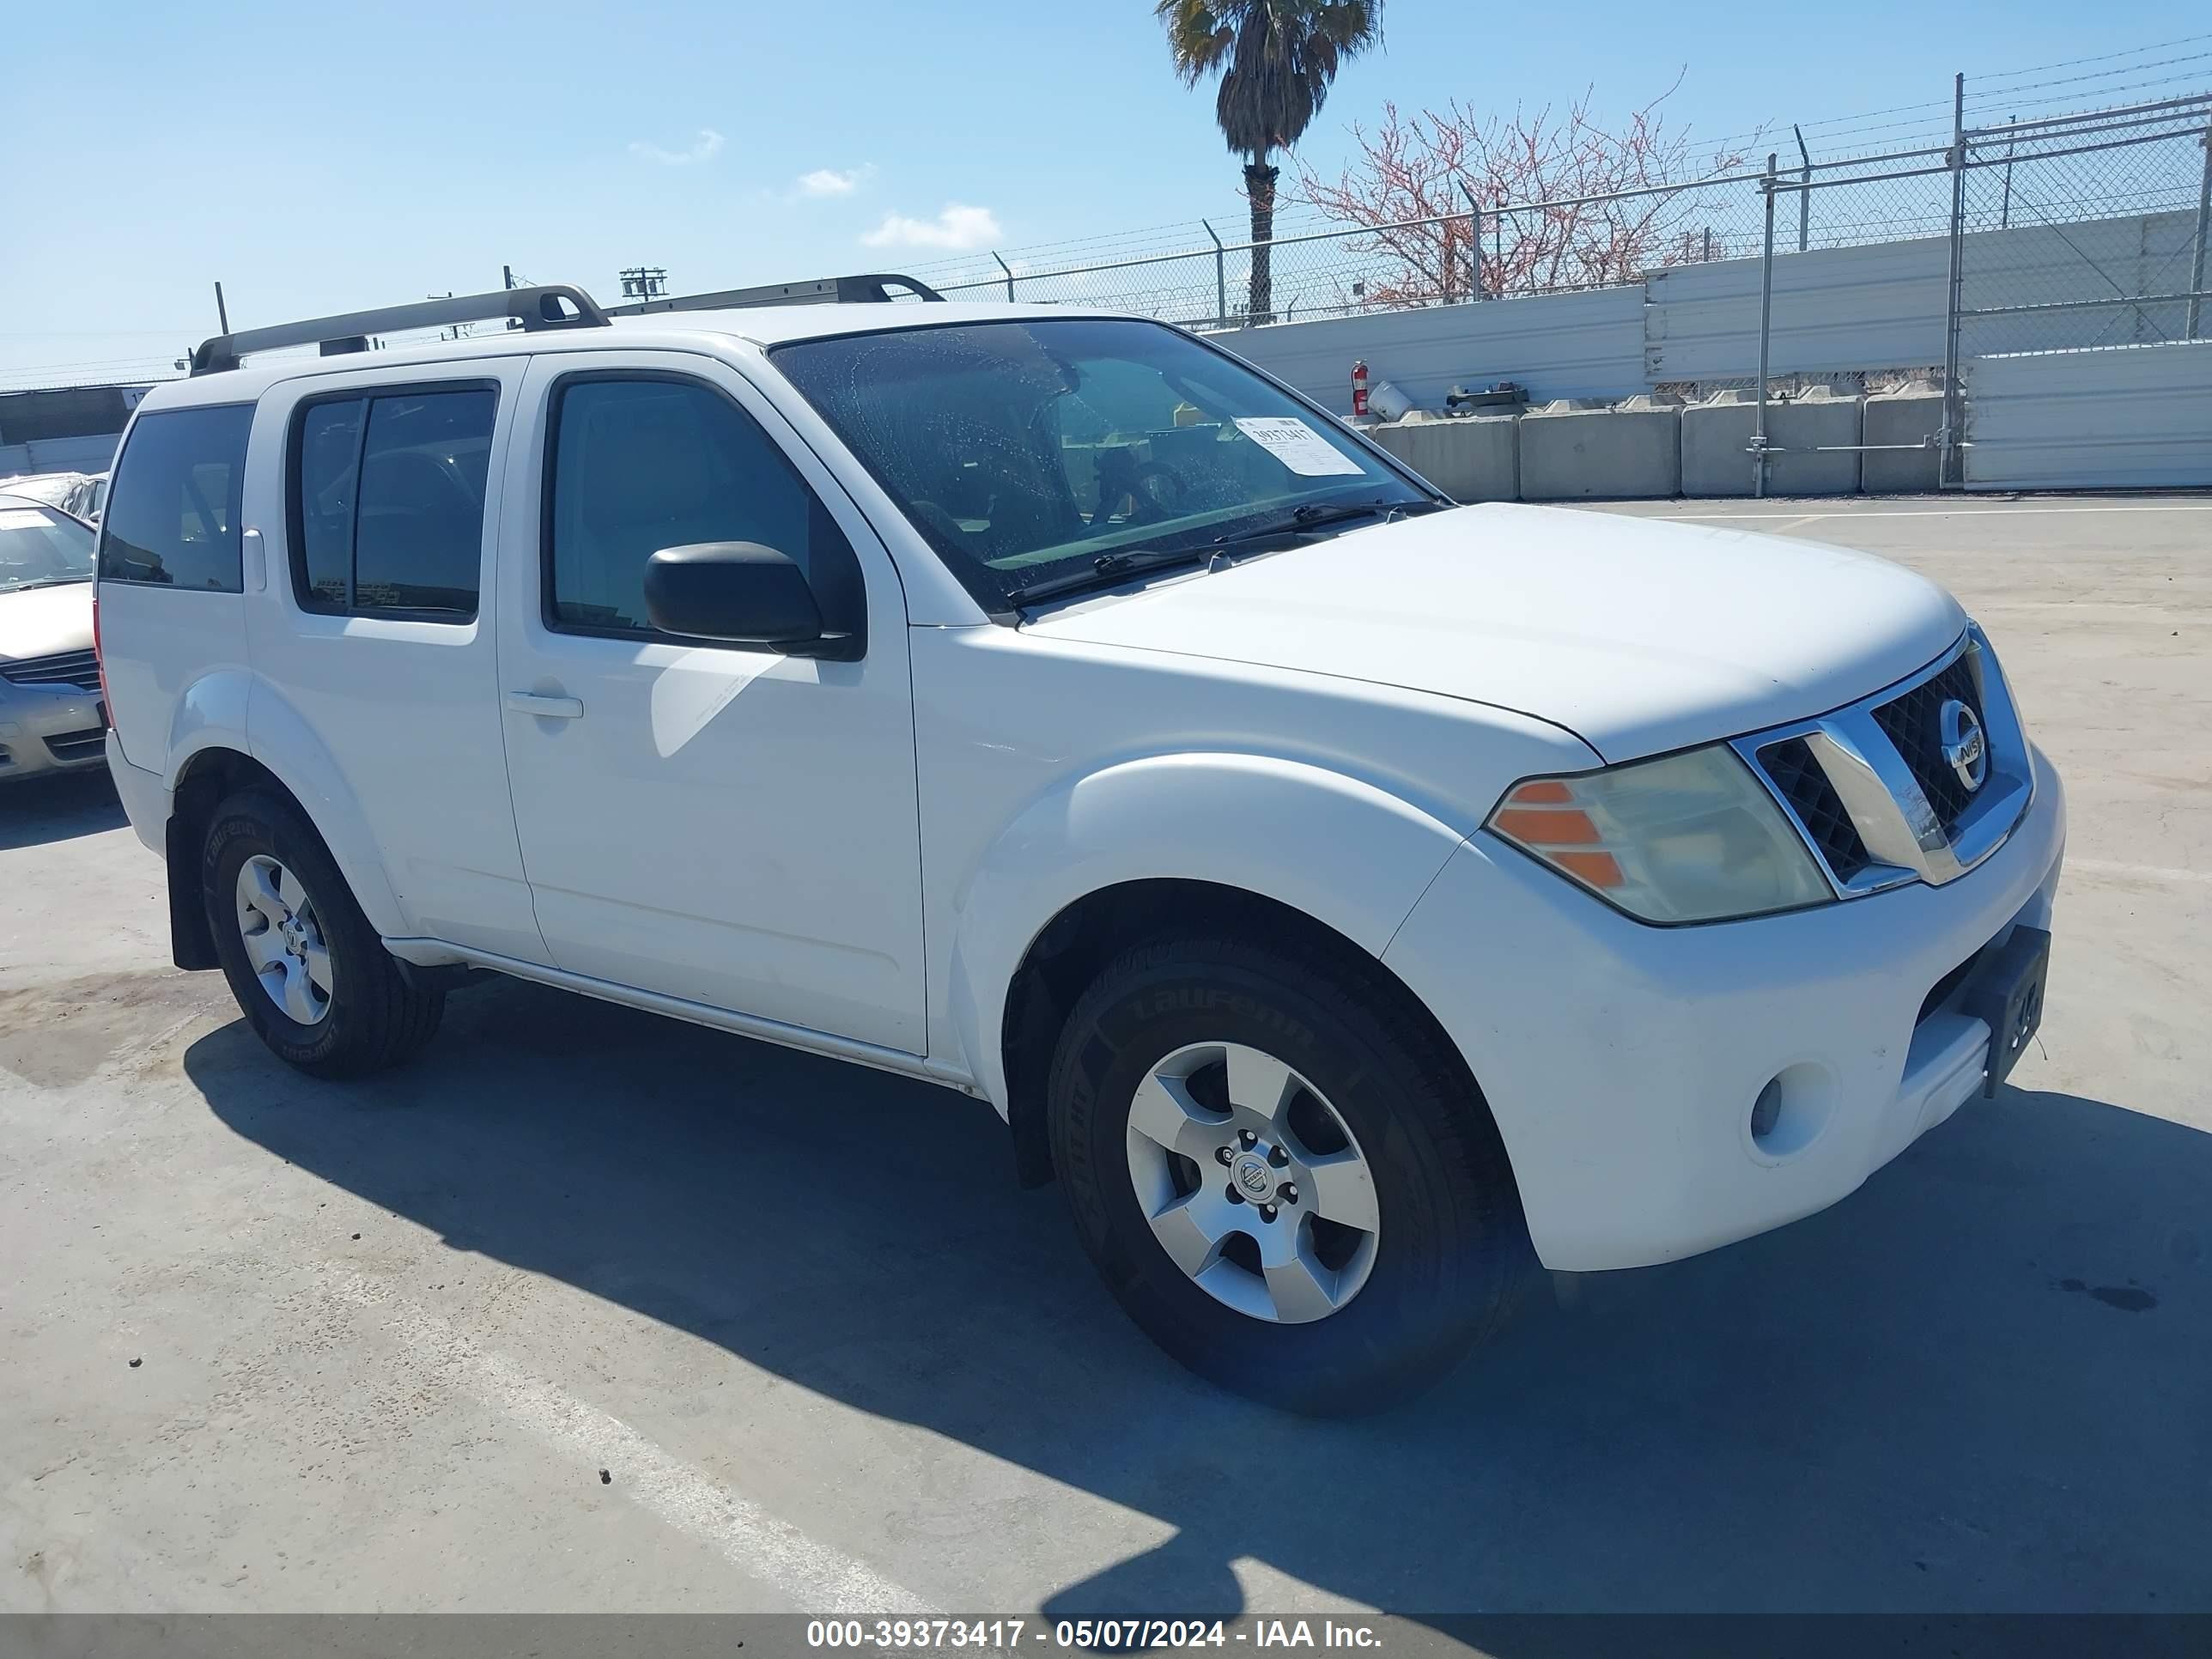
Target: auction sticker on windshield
[(1297, 446)]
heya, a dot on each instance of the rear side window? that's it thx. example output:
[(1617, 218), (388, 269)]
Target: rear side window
[(642, 463), (173, 515), (387, 501)]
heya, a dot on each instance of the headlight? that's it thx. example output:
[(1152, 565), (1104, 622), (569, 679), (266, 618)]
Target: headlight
[(1687, 838)]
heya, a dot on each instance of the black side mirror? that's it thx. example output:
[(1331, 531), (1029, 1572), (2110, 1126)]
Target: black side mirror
[(741, 591)]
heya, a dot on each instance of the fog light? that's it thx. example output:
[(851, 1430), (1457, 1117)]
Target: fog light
[(1766, 1110)]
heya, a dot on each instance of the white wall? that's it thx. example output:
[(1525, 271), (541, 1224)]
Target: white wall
[(1836, 310), (2116, 417), (59, 455), (1558, 345)]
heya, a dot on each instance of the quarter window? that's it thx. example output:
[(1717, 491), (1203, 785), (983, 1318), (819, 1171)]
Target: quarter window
[(172, 517), (388, 501), (639, 465)]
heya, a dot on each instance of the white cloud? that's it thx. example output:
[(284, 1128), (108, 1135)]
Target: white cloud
[(704, 148), (829, 181), (957, 228)]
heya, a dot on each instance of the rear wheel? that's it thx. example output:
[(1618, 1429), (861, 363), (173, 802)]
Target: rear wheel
[(1282, 1174), (309, 972)]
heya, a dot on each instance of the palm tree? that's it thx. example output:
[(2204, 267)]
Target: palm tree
[(1276, 59)]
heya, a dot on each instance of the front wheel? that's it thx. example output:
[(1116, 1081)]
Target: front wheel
[(1283, 1174)]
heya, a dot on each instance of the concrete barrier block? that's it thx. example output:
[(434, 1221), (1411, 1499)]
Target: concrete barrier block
[(1904, 417), (1476, 458), (1575, 450), (1717, 438)]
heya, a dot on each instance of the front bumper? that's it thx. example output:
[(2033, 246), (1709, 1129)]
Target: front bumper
[(1622, 1061), (48, 729)]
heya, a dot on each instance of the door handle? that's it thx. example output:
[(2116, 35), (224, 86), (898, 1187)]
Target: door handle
[(550, 708), (256, 560)]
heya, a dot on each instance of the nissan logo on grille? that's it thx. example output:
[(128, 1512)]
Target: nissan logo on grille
[(1966, 751)]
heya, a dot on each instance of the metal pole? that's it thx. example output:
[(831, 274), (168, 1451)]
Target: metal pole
[(1766, 329), (2203, 228), (1474, 290), (2004, 214), (1947, 434), (1220, 278), (1010, 274), (221, 311), (1497, 246), (1709, 245), (1804, 196)]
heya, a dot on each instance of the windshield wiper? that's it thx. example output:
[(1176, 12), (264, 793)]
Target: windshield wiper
[(1315, 516), (46, 581), (1104, 571), (1110, 568)]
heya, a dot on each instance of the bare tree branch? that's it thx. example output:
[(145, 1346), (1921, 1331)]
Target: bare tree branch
[(1413, 168)]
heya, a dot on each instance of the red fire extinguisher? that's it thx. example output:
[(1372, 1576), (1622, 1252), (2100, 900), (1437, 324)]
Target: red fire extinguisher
[(1359, 388)]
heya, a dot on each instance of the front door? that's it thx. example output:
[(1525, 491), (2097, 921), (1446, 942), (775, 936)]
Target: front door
[(727, 824)]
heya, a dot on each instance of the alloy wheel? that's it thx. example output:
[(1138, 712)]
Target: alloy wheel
[(283, 940), (1253, 1182)]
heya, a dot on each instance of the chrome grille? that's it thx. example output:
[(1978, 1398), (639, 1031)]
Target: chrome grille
[(1909, 722), (77, 668), (1806, 791), (1868, 789)]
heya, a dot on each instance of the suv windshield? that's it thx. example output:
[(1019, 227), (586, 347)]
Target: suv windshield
[(1024, 449), (39, 545)]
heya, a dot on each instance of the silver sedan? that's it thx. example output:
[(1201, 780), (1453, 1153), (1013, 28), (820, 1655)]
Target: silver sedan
[(51, 718)]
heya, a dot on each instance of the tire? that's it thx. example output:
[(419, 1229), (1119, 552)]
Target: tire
[(1448, 1247), (370, 1016)]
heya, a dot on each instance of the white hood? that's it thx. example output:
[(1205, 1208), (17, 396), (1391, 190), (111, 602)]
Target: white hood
[(44, 622), (1636, 635)]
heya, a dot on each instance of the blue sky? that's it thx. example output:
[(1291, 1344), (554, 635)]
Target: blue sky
[(319, 159)]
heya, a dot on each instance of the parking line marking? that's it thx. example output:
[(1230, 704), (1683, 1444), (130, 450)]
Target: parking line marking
[(677, 1493), (2148, 872)]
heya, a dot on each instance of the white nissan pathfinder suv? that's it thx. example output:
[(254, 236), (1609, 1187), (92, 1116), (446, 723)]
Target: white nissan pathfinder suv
[(1341, 893)]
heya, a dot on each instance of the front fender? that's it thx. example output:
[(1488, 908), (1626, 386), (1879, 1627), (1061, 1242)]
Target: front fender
[(1344, 853)]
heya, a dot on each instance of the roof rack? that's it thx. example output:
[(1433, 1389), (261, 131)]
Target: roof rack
[(551, 305), (872, 288)]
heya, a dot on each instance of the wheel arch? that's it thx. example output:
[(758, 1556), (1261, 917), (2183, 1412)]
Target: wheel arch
[(1075, 946), (1281, 848), (212, 771)]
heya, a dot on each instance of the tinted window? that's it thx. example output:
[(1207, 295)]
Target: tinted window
[(388, 501), (329, 458), (642, 465), (40, 547), (173, 515)]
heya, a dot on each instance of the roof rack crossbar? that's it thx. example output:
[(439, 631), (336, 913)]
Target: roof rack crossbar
[(551, 305), (872, 287)]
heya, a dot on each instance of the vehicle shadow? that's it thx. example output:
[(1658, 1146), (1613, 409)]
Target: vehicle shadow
[(1981, 1384), (42, 810)]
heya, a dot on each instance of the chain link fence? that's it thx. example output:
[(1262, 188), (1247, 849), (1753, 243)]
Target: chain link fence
[(2052, 170), (2067, 233), (2107, 219)]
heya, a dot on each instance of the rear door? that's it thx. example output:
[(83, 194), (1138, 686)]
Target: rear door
[(725, 824), (372, 627)]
